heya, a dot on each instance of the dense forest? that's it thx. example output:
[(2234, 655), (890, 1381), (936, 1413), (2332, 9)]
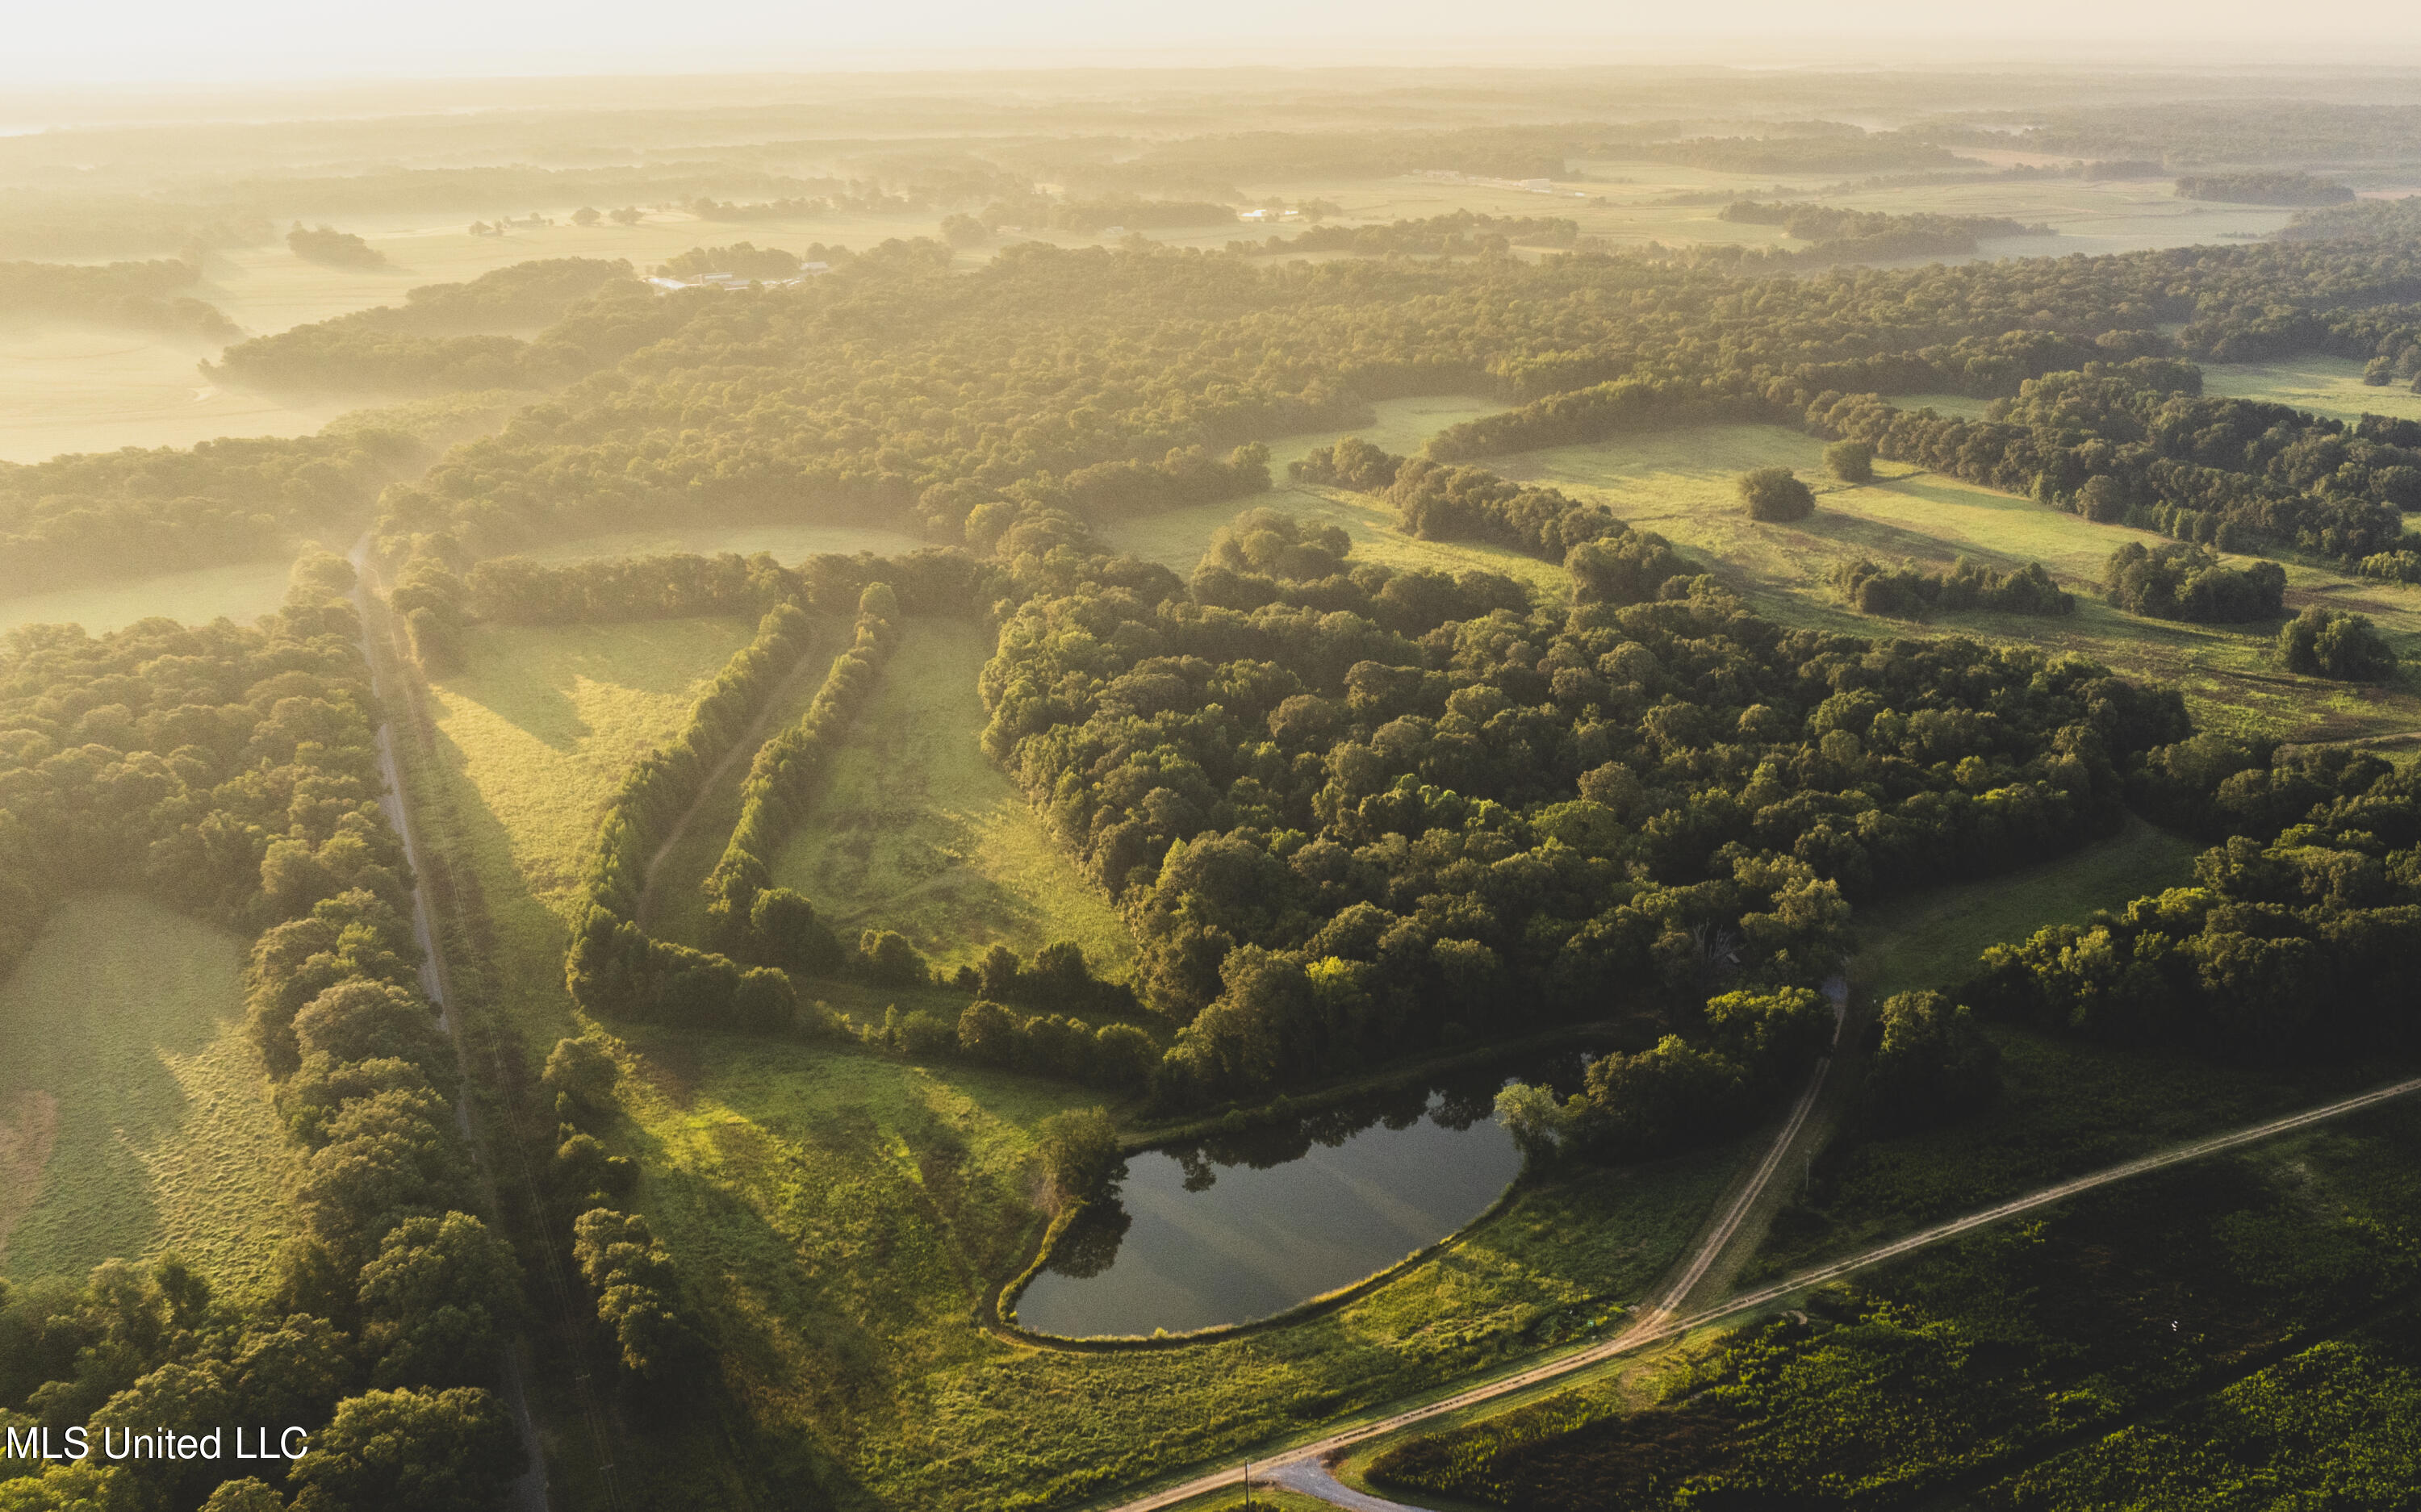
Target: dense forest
[(1349, 809)]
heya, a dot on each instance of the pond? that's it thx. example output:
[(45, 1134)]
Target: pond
[(1249, 1223)]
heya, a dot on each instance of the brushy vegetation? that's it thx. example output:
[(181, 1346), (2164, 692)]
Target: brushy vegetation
[(1960, 1367)]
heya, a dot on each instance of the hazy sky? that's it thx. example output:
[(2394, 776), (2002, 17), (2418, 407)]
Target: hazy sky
[(228, 41)]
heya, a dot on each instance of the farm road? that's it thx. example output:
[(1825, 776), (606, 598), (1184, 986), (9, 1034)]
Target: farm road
[(1315, 1480)]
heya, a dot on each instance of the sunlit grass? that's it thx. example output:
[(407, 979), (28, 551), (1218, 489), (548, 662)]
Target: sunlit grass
[(915, 830), (1681, 484), (2324, 385), (126, 1022), (1933, 938), (241, 592)]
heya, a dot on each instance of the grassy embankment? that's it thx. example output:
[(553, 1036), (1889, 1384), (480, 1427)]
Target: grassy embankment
[(839, 1214), (135, 1114), (1679, 483)]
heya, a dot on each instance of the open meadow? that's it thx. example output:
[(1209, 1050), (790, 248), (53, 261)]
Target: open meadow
[(241, 592), (2324, 385), (915, 830), (1679, 483), (134, 1113)]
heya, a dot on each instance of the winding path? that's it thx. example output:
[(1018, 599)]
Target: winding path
[(1313, 1477)]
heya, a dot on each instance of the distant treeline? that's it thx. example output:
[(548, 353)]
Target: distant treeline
[(2276, 186), (1462, 233), (1877, 152), (132, 512), (140, 296), (414, 347), (1866, 236)]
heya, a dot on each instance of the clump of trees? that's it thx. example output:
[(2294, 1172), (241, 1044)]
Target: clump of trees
[(1852, 461), (1755, 1047), (1775, 495), (2292, 939), (637, 1292), (1907, 592), (1863, 235), (1930, 1064), (1457, 234), (338, 249), (2332, 642), (2186, 581), (141, 296)]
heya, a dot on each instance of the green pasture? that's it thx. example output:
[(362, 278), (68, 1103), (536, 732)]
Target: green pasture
[(1177, 538), (135, 1114), (544, 720), (840, 1216), (241, 592), (915, 830), (1680, 483), (76, 388), (2324, 385)]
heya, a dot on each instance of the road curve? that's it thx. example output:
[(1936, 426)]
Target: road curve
[(1274, 1466)]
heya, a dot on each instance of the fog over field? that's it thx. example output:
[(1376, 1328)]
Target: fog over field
[(932, 758)]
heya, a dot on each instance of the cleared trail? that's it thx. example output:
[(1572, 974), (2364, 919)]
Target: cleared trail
[(742, 748), (1279, 1467), (381, 648)]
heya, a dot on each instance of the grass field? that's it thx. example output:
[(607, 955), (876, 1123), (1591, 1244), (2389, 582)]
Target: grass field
[(1679, 483), (1933, 938), (242, 592), (543, 721), (135, 1115), (916, 831), (2324, 385), (1940, 1378), (838, 1214), (1176, 538)]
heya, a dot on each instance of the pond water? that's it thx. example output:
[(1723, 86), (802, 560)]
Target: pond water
[(1243, 1224)]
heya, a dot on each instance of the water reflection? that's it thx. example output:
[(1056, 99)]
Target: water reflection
[(1250, 1221)]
